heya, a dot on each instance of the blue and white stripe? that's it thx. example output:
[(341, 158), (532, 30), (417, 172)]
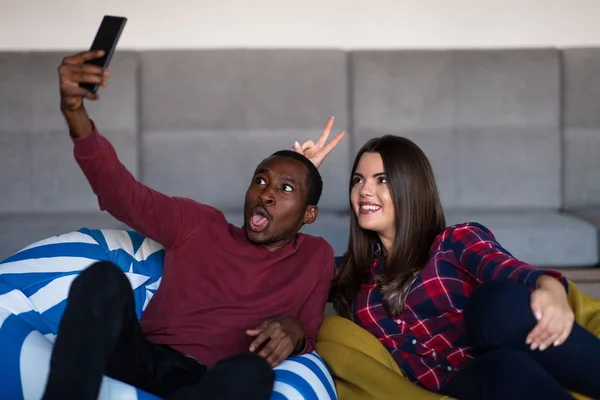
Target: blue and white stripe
[(34, 284)]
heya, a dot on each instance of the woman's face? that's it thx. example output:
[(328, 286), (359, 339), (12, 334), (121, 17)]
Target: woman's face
[(371, 197)]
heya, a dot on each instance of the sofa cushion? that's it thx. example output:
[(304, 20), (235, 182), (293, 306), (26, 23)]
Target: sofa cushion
[(216, 166), (591, 215), (242, 89), (543, 238), (221, 112), (37, 170), (489, 120), (581, 116), (538, 237)]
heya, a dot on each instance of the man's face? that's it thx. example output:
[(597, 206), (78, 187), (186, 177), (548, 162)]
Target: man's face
[(276, 202)]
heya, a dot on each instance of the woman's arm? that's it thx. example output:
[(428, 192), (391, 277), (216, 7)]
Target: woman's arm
[(477, 250)]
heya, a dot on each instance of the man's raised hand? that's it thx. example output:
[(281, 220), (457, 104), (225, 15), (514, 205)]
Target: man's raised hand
[(74, 71)]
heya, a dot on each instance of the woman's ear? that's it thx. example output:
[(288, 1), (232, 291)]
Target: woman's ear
[(310, 215)]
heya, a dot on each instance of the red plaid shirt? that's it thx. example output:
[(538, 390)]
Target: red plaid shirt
[(428, 340)]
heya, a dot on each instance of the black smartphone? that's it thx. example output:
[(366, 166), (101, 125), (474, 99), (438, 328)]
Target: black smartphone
[(106, 39)]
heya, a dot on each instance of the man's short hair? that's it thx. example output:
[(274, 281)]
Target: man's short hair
[(315, 182)]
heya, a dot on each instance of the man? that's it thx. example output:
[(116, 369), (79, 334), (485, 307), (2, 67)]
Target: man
[(233, 302)]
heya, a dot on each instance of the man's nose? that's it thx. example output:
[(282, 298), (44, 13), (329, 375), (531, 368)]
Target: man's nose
[(267, 197)]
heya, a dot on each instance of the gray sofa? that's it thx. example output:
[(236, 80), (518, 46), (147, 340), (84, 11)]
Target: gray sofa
[(513, 135)]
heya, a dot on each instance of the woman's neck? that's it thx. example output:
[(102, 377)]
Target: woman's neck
[(387, 247)]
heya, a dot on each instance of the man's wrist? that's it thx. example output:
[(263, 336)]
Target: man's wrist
[(79, 122), (300, 346)]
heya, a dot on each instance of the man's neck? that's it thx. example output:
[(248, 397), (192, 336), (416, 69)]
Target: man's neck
[(276, 246)]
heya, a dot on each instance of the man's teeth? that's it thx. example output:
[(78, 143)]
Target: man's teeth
[(368, 207)]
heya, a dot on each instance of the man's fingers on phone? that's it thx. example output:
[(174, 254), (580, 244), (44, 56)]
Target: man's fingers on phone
[(81, 74), (82, 57), (85, 56), (91, 96), (72, 90), (82, 77), (94, 69)]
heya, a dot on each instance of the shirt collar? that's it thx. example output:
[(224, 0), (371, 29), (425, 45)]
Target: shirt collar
[(378, 265)]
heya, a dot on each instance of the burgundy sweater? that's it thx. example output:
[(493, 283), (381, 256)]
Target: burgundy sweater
[(215, 284)]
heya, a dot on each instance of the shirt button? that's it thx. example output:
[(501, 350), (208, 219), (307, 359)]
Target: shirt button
[(433, 354), (450, 369), (414, 341)]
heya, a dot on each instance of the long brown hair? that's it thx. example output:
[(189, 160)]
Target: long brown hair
[(419, 219)]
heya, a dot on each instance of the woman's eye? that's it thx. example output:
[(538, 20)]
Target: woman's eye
[(287, 188), (260, 181), (383, 179), (356, 180)]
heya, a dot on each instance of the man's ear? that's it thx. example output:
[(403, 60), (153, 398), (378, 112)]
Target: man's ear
[(310, 215)]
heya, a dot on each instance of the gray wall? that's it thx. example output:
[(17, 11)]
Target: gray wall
[(513, 135)]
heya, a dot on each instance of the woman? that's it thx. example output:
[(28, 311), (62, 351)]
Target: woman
[(457, 311)]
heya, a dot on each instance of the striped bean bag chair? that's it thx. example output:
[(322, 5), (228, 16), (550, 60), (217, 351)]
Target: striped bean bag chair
[(34, 284)]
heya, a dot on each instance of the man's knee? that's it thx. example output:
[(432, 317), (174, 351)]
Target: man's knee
[(101, 278), (498, 311), (247, 374), (248, 364)]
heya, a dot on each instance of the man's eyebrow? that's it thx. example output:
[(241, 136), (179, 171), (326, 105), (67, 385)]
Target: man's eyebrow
[(260, 171), (289, 179)]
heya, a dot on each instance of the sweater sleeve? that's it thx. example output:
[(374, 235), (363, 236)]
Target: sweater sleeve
[(477, 250), (312, 313), (167, 220)]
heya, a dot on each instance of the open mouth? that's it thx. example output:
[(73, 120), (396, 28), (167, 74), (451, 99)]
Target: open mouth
[(259, 219)]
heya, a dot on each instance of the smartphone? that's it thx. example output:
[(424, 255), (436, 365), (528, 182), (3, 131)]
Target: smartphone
[(106, 39)]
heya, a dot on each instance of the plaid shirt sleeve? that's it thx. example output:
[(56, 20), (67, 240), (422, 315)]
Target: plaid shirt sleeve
[(478, 251)]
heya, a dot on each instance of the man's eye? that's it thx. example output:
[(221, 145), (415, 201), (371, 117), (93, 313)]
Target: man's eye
[(287, 188), (260, 181)]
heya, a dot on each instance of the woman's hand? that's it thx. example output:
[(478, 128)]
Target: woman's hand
[(555, 317), (316, 152)]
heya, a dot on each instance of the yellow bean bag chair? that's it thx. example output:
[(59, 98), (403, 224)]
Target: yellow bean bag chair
[(364, 370)]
